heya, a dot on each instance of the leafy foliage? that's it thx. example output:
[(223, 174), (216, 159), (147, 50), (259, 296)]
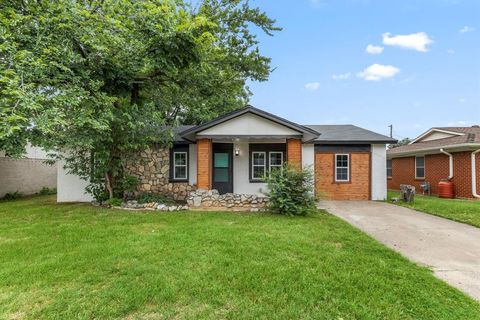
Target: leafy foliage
[(47, 191), (12, 195), (114, 202), (96, 81), (402, 142), (290, 191), (150, 197)]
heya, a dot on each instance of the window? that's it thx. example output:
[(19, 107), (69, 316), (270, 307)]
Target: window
[(419, 167), (342, 167), (389, 168), (180, 165), (276, 160), (265, 157), (259, 165)]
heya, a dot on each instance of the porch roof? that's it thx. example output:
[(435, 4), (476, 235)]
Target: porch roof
[(304, 133)]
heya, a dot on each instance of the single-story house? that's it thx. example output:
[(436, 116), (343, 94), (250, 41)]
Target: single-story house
[(28, 174), (450, 153), (234, 152)]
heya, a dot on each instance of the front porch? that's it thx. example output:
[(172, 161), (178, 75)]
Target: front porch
[(240, 165)]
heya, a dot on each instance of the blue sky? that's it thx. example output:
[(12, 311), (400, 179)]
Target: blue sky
[(425, 56)]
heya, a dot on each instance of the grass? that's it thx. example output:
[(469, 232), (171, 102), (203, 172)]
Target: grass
[(465, 211), (64, 261)]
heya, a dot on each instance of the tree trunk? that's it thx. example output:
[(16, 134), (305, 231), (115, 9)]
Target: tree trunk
[(108, 184)]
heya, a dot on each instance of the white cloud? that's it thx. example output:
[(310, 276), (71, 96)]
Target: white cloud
[(450, 51), (466, 29), (374, 49), (312, 86), (377, 72), (462, 100), (341, 76), (415, 41)]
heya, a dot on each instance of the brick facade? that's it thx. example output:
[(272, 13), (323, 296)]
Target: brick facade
[(436, 169), (358, 188), (294, 152), (204, 164)]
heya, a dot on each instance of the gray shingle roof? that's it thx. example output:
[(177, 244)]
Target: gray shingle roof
[(347, 133)]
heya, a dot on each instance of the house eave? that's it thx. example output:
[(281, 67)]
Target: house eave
[(434, 150)]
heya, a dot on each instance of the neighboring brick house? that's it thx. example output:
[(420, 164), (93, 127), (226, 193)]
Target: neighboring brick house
[(450, 153), (234, 152)]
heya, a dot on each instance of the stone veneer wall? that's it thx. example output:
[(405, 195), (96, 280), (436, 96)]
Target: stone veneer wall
[(152, 167), (212, 199)]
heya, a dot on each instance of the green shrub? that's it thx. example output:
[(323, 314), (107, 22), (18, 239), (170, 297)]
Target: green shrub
[(12, 195), (150, 197), (290, 191), (47, 191), (114, 202), (98, 191)]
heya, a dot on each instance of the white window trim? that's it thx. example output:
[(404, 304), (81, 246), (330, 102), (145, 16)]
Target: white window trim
[(391, 168), (180, 165), (270, 160), (416, 177), (257, 165), (348, 167)]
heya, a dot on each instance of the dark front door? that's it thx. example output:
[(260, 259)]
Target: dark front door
[(223, 167)]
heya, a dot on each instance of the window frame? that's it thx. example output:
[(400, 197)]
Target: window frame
[(267, 148), (347, 167), (179, 149), (417, 167), (389, 168), (253, 165), (270, 160)]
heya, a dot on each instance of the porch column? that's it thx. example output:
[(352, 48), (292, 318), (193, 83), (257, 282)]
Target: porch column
[(294, 153), (204, 164)]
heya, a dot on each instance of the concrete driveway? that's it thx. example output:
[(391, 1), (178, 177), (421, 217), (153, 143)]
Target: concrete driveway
[(450, 248)]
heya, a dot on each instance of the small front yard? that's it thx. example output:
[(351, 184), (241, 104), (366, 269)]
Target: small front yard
[(466, 211), (82, 262)]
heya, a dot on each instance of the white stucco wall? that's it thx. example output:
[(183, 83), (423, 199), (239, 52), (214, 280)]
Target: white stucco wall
[(241, 181), (192, 164), (248, 124), (70, 188), (379, 172), (308, 156)]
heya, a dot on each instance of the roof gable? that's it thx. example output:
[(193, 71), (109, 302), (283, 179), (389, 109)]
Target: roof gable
[(436, 134), (249, 124), (306, 133)]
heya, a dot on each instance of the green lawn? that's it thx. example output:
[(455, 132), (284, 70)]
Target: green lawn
[(466, 211), (78, 261)]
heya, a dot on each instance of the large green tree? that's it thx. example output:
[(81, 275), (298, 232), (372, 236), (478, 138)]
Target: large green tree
[(96, 80)]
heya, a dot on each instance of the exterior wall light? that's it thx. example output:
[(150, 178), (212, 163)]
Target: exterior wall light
[(237, 152)]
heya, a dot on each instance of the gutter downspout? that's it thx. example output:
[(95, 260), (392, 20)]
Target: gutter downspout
[(474, 175), (450, 163)]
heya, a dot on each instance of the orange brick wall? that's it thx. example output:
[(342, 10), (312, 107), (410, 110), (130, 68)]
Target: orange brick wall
[(294, 152), (357, 189), (204, 164), (436, 168)]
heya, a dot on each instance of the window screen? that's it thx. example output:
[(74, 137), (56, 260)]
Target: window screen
[(258, 165), (419, 167), (341, 167)]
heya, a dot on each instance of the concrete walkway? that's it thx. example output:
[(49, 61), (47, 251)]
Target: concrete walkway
[(451, 249)]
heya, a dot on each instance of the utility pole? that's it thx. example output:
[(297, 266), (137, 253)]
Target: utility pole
[(391, 130)]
